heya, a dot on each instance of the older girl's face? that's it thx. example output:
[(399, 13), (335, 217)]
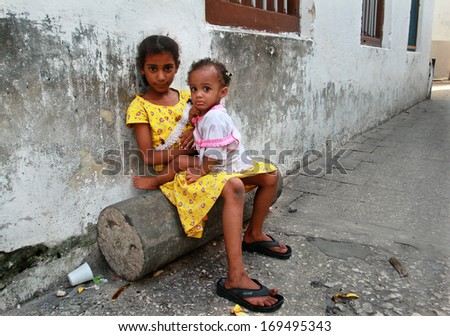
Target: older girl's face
[(159, 70), (206, 89)]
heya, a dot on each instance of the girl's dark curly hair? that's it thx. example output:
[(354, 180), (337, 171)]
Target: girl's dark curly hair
[(223, 73)]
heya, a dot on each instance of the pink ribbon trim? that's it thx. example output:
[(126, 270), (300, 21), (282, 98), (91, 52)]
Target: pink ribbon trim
[(217, 142)]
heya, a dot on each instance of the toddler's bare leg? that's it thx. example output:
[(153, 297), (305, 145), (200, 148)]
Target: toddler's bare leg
[(267, 187)]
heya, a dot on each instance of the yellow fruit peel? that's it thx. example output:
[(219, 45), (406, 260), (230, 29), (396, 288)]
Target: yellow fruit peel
[(238, 311), (346, 296)]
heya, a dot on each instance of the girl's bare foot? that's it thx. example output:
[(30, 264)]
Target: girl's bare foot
[(145, 182)]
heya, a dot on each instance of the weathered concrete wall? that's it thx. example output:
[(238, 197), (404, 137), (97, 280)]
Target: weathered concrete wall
[(61, 106), (290, 94), (440, 51), (441, 39), (67, 76)]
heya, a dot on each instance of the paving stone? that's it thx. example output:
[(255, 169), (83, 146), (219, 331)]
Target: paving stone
[(312, 185), (360, 147)]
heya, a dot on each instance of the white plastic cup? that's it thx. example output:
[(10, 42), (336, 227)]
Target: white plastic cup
[(80, 275)]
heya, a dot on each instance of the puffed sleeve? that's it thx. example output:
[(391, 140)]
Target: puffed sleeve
[(136, 113), (217, 138)]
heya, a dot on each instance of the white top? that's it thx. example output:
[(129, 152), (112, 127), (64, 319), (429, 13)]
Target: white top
[(217, 137)]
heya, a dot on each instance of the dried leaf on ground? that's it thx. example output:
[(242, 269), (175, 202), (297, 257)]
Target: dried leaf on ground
[(398, 266), (120, 291)]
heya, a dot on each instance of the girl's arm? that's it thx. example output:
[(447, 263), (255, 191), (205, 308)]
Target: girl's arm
[(145, 144)]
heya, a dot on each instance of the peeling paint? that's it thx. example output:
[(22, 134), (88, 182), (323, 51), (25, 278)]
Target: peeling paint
[(61, 105), (107, 116), (87, 173)]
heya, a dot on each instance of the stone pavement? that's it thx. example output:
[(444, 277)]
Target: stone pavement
[(392, 201)]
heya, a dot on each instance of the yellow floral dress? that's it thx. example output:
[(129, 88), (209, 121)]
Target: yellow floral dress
[(193, 201)]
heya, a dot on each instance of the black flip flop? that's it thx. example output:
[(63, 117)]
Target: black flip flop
[(237, 295), (263, 248)]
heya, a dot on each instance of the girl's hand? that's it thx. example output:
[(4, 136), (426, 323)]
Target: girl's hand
[(187, 139), (193, 174)]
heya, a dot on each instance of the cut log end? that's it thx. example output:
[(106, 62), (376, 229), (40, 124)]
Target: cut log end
[(120, 244)]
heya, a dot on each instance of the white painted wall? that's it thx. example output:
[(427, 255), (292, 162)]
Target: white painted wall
[(441, 38), (441, 20), (53, 187)]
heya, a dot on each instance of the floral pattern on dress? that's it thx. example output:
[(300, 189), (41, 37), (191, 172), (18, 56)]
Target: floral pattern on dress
[(195, 200)]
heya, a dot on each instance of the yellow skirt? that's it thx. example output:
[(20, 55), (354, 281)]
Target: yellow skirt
[(194, 200)]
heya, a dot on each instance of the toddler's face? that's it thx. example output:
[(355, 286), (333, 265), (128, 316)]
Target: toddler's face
[(159, 70), (206, 89)]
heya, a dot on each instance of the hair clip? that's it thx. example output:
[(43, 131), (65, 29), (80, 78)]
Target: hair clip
[(228, 74)]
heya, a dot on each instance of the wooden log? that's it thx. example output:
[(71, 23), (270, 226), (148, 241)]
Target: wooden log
[(139, 235)]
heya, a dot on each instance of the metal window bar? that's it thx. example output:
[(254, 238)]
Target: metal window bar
[(364, 25), (374, 18), (369, 19), (280, 6)]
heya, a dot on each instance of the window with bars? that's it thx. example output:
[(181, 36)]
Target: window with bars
[(372, 22), (268, 15), (413, 25)]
